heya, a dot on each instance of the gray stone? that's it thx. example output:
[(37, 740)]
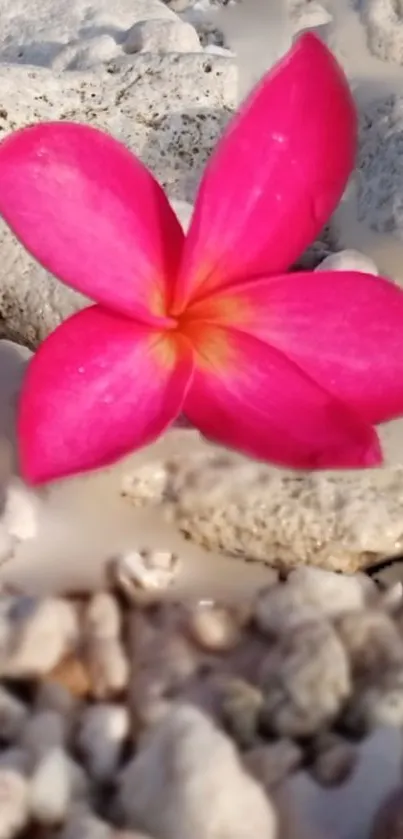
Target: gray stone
[(133, 100), (380, 172)]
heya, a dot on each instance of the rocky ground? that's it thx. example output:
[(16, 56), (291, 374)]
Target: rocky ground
[(178, 657), (121, 717)]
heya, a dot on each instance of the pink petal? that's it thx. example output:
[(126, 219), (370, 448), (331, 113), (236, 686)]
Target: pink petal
[(343, 328), (276, 176), (92, 214), (99, 387), (249, 396)]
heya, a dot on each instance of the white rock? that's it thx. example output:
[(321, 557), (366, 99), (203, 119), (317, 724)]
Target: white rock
[(162, 36), (105, 655), (348, 260), (54, 783), (384, 23), (20, 516), (142, 575), (35, 634), (187, 780), (102, 733), (337, 521), (309, 594), (13, 803), (102, 617), (307, 14)]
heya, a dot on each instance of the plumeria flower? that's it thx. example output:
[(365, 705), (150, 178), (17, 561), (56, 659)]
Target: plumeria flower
[(292, 368)]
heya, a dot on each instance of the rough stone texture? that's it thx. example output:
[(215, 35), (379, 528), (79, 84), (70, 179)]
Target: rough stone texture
[(307, 14), (340, 521), (380, 173), (47, 32), (384, 24), (133, 100), (159, 36)]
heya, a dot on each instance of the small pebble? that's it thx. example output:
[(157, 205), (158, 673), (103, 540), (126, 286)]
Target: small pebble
[(142, 575), (214, 628), (102, 734), (105, 656), (348, 260), (309, 594), (35, 634), (146, 485), (372, 641), (56, 781), (335, 760), (305, 681), (241, 704)]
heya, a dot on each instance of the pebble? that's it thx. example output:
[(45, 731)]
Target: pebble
[(102, 733), (35, 634), (147, 483), (383, 20), (141, 575), (373, 642), (240, 707), (305, 681), (192, 770), (335, 760), (156, 36), (105, 656), (310, 593), (348, 260), (214, 627), (56, 781)]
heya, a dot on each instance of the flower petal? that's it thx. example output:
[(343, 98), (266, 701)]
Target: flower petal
[(99, 387), (92, 214), (343, 328), (249, 396), (276, 175)]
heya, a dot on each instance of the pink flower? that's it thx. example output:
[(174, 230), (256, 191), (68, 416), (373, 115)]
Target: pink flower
[(293, 368)]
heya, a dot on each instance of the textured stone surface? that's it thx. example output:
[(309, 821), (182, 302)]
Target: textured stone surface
[(342, 521), (380, 173), (133, 100), (383, 20)]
